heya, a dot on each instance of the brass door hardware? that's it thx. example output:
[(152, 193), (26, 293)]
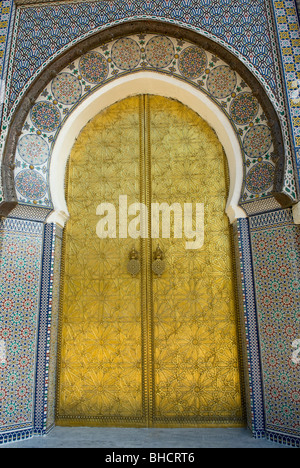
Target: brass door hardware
[(158, 265), (134, 264)]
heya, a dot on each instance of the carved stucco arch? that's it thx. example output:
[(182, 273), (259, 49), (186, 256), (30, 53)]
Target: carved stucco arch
[(136, 27)]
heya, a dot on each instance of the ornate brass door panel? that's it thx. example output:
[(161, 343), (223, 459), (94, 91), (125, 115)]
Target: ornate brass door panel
[(145, 349), (195, 357), (102, 357)]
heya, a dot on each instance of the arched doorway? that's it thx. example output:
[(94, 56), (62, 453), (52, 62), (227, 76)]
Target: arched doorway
[(152, 348), (118, 86)]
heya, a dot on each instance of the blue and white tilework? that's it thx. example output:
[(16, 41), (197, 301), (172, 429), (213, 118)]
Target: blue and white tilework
[(249, 329), (267, 245), (245, 27), (6, 18), (43, 31), (275, 244), (7, 11), (44, 399), (288, 31), (178, 58), (53, 343), (20, 269)]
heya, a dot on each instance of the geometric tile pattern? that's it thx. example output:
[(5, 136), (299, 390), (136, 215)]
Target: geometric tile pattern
[(7, 14), (51, 388), (44, 331), (7, 11), (20, 264), (269, 303), (33, 149), (37, 40), (171, 56), (288, 31), (257, 141), (29, 299), (249, 329), (66, 88), (46, 355), (275, 243), (5, 17), (39, 37), (45, 116)]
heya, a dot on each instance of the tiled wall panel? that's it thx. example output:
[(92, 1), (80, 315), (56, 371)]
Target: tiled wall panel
[(275, 244), (20, 270), (267, 245)]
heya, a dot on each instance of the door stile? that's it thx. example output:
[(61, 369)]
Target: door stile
[(146, 256), (143, 272), (149, 279)]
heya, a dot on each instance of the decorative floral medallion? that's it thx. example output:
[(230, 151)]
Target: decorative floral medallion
[(192, 62), (159, 51), (93, 67), (257, 141), (31, 184), (221, 81), (260, 177), (126, 53), (33, 149), (66, 88), (244, 108), (45, 116)]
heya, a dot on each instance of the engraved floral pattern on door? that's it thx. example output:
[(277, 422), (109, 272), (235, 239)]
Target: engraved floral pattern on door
[(101, 354), (196, 368), (148, 350)]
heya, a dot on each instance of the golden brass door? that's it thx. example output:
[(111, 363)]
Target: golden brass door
[(147, 349)]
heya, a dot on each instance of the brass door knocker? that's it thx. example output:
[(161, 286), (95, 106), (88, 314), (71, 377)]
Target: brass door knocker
[(134, 265), (158, 265)]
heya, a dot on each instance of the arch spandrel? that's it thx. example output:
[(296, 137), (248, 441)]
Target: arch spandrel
[(189, 69)]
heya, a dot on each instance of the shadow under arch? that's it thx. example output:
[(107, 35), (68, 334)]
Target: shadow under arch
[(114, 32)]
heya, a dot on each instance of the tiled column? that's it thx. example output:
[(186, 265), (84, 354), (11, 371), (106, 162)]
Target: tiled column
[(249, 329), (47, 330), (20, 265), (275, 247)]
